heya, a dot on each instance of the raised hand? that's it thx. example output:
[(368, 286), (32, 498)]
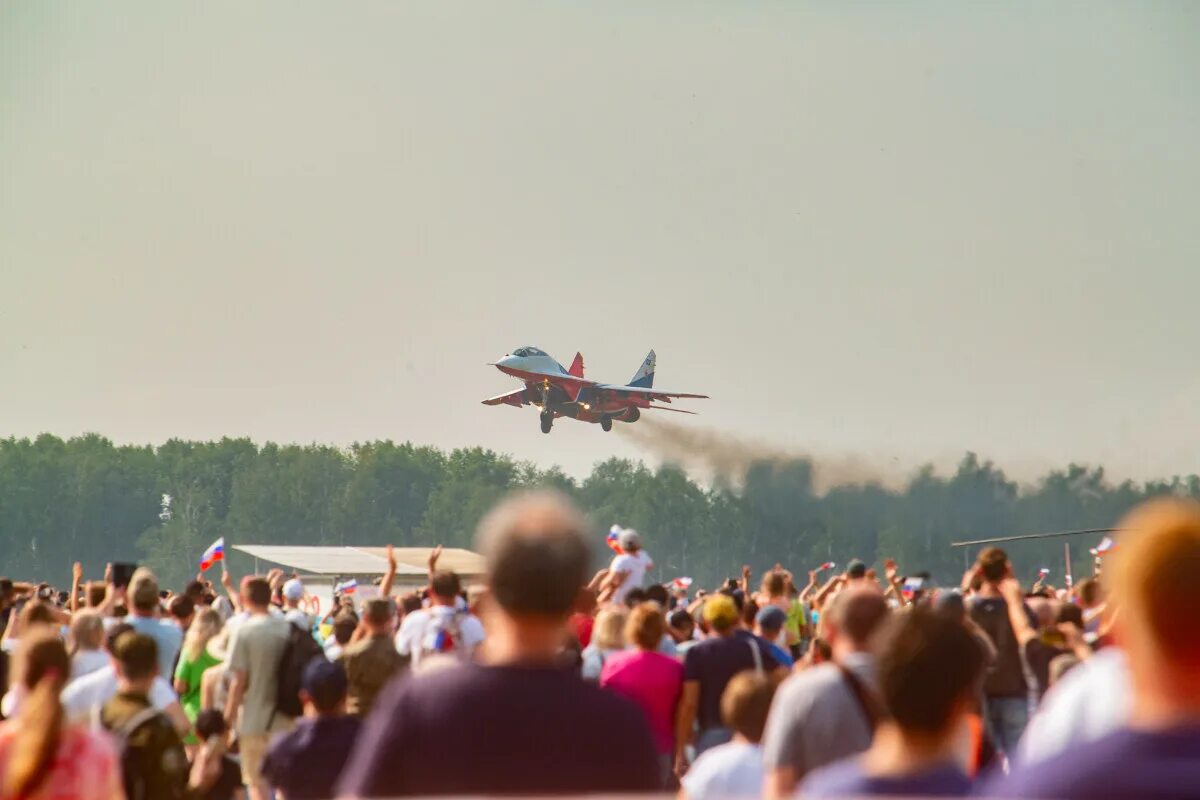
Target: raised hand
[(391, 558), (434, 555), (77, 572), (890, 570)]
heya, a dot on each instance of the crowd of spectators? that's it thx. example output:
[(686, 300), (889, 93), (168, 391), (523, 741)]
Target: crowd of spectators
[(548, 679)]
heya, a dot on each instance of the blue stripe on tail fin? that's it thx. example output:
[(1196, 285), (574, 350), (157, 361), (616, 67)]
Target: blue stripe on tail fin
[(644, 377)]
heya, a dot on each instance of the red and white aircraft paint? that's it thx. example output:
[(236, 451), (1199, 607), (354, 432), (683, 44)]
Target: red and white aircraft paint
[(563, 392)]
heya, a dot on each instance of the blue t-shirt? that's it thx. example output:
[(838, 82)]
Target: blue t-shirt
[(1125, 764), (846, 779), (166, 635), (781, 655)]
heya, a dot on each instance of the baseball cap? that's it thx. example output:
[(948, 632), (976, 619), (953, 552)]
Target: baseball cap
[(323, 679), (856, 568), (720, 611), (293, 589), (771, 618), (629, 539)]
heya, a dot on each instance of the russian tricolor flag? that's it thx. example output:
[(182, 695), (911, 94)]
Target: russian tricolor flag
[(1105, 547), (682, 583), (825, 566), (346, 587), (214, 553), (614, 539)]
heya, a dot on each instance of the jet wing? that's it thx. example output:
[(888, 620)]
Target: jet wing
[(676, 410), (654, 395), (516, 398)]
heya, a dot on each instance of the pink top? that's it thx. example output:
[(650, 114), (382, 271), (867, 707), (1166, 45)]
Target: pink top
[(84, 768), (654, 682)]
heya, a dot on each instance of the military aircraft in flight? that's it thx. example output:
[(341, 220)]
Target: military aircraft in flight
[(560, 392)]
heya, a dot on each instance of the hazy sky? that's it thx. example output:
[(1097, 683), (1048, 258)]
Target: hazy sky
[(897, 230)]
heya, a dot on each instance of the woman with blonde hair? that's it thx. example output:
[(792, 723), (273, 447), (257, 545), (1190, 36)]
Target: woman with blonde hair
[(608, 638), (195, 658), (42, 757)]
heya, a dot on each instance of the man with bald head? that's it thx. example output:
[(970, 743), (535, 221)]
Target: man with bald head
[(828, 712), (517, 722), (1154, 578)]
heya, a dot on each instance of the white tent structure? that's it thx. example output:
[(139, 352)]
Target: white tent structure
[(320, 567)]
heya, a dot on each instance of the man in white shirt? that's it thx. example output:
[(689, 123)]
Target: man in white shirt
[(628, 570), (444, 627), (84, 697)]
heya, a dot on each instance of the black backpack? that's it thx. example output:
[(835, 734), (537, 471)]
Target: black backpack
[(301, 648)]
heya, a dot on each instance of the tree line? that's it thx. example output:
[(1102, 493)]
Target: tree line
[(86, 499)]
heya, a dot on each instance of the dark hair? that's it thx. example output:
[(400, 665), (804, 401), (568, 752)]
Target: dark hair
[(257, 589), (343, 627), (379, 611), (748, 611), (1068, 612), (537, 556), (94, 593), (821, 650), (6, 587), (1088, 591), (636, 596), (181, 607), (680, 618), (329, 692), (858, 614), (210, 722), (445, 583), (410, 602), (993, 563), (137, 655), (196, 590), (658, 593), (774, 583), (928, 663), (745, 703), (114, 633)]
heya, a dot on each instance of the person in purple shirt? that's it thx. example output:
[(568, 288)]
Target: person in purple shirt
[(306, 761), (928, 671), (522, 723), (1154, 578)]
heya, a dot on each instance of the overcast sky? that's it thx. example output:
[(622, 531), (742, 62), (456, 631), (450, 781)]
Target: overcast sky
[(897, 230)]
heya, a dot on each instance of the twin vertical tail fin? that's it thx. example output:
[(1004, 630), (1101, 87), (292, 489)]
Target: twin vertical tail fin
[(644, 377), (576, 369)]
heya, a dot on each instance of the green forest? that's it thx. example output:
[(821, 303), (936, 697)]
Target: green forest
[(86, 499)]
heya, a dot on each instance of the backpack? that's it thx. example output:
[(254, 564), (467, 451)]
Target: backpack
[(154, 764), (443, 634), (300, 649)]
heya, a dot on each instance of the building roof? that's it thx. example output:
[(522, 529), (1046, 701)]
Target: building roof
[(411, 562)]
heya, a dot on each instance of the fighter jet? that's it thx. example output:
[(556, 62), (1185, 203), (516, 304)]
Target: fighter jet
[(560, 392)]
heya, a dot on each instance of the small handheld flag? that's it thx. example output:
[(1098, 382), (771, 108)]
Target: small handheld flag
[(614, 539), (682, 583), (912, 586), (825, 566), (346, 587), (214, 553), (1105, 547)]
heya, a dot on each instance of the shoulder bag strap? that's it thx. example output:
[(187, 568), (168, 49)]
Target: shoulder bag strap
[(867, 701)]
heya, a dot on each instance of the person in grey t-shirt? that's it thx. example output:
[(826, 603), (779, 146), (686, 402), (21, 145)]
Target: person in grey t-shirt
[(817, 716), (254, 658)]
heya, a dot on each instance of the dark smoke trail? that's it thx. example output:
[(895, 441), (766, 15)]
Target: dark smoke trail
[(725, 457)]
